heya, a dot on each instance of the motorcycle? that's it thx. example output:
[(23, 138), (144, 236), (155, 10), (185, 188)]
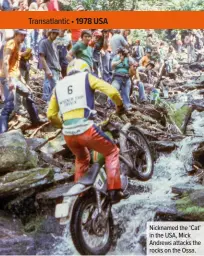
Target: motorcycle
[(87, 205)]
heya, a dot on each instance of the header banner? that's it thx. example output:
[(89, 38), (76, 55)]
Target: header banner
[(103, 19)]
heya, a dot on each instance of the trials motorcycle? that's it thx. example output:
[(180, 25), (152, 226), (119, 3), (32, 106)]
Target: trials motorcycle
[(86, 204)]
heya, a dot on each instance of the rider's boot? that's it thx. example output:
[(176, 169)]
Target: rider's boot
[(117, 195)]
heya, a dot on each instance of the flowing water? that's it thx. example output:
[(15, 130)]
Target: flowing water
[(131, 216)]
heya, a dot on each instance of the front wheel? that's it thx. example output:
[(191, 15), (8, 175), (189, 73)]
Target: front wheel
[(137, 150), (91, 235)]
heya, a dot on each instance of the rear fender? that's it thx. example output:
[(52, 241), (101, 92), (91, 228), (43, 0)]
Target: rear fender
[(76, 190)]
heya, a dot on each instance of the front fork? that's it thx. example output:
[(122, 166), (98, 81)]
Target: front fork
[(102, 204)]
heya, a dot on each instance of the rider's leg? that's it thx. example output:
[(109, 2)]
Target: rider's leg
[(81, 153), (97, 140)]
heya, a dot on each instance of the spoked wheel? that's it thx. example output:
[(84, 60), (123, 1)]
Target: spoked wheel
[(138, 151), (91, 233)]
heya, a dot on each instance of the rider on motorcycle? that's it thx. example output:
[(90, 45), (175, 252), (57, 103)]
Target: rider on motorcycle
[(74, 98)]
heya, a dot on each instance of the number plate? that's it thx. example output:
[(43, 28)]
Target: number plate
[(62, 210)]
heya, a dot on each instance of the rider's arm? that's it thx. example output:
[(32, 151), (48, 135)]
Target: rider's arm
[(108, 89), (52, 112)]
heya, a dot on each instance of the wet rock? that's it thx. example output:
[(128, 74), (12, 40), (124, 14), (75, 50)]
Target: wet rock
[(54, 146), (33, 143), (13, 241), (185, 188), (197, 66), (167, 214), (136, 187), (197, 197), (19, 181), (200, 79), (20, 245), (198, 154), (164, 146), (143, 240), (46, 232), (14, 152)]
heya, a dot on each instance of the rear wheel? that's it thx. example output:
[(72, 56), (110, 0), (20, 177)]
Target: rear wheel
[(137, 150), (91, 235)]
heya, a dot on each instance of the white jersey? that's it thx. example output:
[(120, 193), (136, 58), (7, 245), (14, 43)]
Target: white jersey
[(71, 93)]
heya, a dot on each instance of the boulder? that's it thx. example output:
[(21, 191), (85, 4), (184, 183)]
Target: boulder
[(163, 146), (54, 146), (34, 143), (185, 188), (14, 153), (19, 181), (197, 198)]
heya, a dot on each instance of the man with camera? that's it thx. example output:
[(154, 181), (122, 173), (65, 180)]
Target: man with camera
[(121, 64)]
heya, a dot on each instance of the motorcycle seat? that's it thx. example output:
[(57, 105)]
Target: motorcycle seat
[(90, 177)]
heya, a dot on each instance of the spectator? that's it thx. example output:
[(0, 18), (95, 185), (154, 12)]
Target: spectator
[(76, 33), (137, 51), (146, 59), (97, 44), (149, 42), (126, 33), (11, 80), (178, 42), (105, 55), (190, 43), (63, 44), (53, 5), (50, 62), (121, 65), (82, 50), (43, 5), (5, 5), (136, 83), (117, 41)]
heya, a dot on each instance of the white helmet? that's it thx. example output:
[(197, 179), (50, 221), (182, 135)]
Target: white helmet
[(77, 65)]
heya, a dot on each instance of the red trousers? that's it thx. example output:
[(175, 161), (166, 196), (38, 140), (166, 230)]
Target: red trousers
[(95, 139)]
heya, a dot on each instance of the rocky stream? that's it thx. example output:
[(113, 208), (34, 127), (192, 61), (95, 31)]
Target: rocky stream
[(36, 168)]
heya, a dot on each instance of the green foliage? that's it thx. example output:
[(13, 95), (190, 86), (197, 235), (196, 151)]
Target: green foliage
[(186, 207), (134, 5), (190, 5), (179, 115)]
